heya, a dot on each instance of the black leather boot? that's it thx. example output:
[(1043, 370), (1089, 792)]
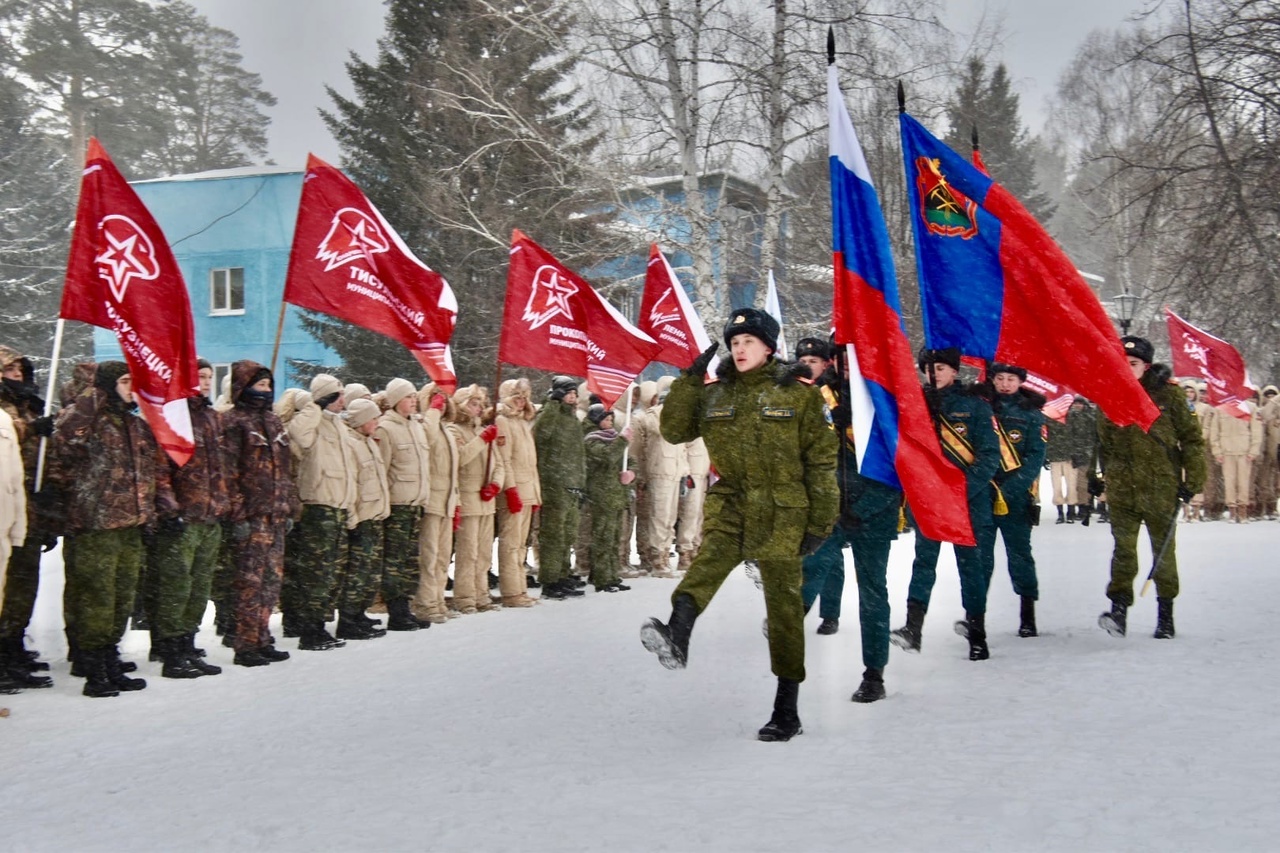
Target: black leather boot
[(829, 626), (1028, 626), (399, 617), (98, 682), (785, 722), (1164, 619), (195, 656), (670, 642), (908, 636), (174, 654), (116, 670), (1061, 519), (974, 629), (872, 687), (1115, 620), (352, 627)]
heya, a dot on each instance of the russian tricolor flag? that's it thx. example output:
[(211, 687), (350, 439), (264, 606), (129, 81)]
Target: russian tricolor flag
[(894, 433), (995, 285)]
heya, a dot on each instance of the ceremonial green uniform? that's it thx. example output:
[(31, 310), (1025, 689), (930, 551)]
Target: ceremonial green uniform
[(970, 442), (1022, 425), (1144, 471), (767, 434), (607, 498)]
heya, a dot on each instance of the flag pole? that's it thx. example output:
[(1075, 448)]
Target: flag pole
[(275, 350), (626, 425), (48, 398)]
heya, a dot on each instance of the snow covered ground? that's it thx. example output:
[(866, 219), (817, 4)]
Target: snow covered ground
[(552, 729)]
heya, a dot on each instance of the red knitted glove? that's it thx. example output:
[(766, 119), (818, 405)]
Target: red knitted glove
[(514, 504), (457, 518), (489, 491), (437, 402), (488, 434)]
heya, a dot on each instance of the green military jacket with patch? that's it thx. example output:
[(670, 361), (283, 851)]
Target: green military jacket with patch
[(1146, 468), (770, 441)]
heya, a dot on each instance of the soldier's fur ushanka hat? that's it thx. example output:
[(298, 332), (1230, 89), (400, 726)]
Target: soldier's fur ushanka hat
[(1138, 348), (754, 322)]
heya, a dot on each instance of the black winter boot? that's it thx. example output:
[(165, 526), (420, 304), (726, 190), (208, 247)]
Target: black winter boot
[(1071, 514), (30, 657), (174, 654), (872, 687), (116, 670), (1028, 626), (1115, 620), (1104, 514), (291, 625), (974, 629), (16, 666), (1061, 519), (352, 627), (1164, 619), (785, 722), (670, 642), (7, 685), (98, 682), (399, 617), (908, 636), (829, 626), (195, 656)]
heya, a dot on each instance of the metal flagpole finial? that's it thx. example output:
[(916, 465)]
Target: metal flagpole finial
[(974, 138), (831, 45), (902, 97)]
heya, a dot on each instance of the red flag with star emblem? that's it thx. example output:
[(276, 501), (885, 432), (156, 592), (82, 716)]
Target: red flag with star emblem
[(667, 316), (1213, 361), (349, 263), (122, 276), (553, 320)]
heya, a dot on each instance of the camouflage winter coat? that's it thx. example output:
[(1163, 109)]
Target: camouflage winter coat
[(562, 461), (256, 450), (1146, 468), (605, 491), (767, 433), (108, 467), (21, 400), (1082, 435), (200, 486)]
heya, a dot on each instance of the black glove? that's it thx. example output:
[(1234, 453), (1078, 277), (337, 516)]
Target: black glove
[(700, 364), (48, 543), (1185, 495), (810, 544), (173, 525), (1097, 486), (1048, 466), (327, 400), (240, 531), (43, 427)]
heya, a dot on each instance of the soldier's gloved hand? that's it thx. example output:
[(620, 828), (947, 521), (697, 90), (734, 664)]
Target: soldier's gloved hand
[(1048, 466), (1097, 486), (240, 531), (488, 434), (514, 504), (437, 401), (489, 491), (49, 543), (327, 400), (43, 427), (703, 361), (810, 544), (1185, 495), (457, 518), (626, 477), (173, 525)]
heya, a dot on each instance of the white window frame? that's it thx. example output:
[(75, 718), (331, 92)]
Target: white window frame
[(220, 288)]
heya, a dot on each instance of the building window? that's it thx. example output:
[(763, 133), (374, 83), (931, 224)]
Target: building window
[(226, 291), (221, 374)]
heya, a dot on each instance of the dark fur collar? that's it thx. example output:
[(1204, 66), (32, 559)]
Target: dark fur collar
[(784, 374)]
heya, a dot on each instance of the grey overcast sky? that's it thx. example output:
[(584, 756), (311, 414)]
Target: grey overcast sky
[(299, 46)]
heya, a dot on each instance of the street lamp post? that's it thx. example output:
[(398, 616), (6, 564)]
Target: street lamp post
[(1126, 307)]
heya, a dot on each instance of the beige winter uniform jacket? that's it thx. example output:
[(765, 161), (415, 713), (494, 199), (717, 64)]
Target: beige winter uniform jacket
[(662, 460), (373, 501), (13, 493), (478, 464), (406, 455), (1231, 436), (326, 460), (519, 455), (698, 461), (443, 450)]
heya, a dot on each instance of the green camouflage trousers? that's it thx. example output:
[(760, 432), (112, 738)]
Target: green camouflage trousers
[(606, 530), (1126, 521), (399, 570), (102, 582), (21, 583), (179, 574), (315, 551), (224, 572), (359, 585), (556, 534)]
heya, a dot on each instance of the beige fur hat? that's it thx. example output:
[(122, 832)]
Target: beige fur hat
[(322, 385), (360, 412), (397, 390), (356, 391)]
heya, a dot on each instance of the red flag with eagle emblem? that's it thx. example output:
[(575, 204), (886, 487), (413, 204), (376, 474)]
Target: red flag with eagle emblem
[(122, 276), (554, 320), (349, 263)]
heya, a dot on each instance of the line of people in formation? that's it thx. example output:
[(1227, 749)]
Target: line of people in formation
[(792, 519), (320, 502)]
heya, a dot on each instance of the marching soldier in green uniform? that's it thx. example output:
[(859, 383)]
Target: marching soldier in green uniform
[(1146, 475), (966, 429), (1022, 436), (608, 494), (766, 430)]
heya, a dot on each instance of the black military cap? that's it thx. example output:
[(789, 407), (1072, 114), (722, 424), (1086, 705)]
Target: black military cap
[(752, 321), (1000, 367), (1138, 348), (814, 347), (949, 356)]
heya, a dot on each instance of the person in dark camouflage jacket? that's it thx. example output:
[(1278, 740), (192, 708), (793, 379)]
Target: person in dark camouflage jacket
[(264, 504), (115, 483), (1146, 475), (766, 429)]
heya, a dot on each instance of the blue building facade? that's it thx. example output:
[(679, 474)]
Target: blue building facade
[(231, 231)]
